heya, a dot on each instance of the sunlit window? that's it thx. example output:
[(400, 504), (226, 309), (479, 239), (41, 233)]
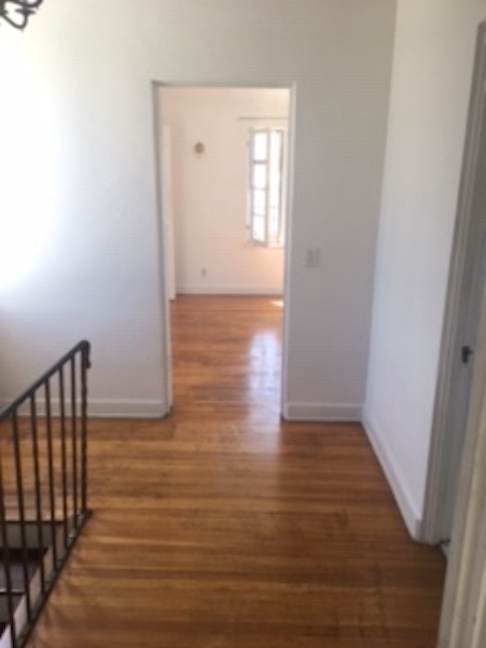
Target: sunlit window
[(266, 219)]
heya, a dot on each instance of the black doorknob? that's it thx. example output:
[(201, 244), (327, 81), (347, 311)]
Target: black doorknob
[(466, 353)]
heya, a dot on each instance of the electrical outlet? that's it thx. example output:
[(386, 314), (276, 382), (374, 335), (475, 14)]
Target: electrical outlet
[(204, 272)]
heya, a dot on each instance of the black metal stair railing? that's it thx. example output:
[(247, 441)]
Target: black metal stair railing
[(43, 489)]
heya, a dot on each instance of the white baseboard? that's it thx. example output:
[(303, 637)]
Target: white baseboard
[(404, 501), (127, 408), (198, 289), (322, 412), (108, 408)]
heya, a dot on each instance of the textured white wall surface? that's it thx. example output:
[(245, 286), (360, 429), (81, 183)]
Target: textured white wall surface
[(76, 92), (432, 69), (210, 189)]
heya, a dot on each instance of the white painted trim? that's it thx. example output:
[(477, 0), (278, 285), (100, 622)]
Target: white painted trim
[(164, 310), (397, 483), (197, 289), (322, 412), (111, 408), (166, 334), (127, 408), (289, 209)]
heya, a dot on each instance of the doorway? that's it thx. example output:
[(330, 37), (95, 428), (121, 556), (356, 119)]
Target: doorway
[(224, 156)]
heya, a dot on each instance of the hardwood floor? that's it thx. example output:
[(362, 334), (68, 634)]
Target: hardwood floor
[(223, 527)]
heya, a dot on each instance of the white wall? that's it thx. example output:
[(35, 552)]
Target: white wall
[(210, 189), (432, 71), (87, 69)]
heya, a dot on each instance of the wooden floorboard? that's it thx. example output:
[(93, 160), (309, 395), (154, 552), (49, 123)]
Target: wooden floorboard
[(223, 527)]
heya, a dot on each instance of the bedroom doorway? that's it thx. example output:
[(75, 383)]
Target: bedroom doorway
[(225, 155)]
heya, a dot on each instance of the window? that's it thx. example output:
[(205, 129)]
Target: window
[(266, 189)]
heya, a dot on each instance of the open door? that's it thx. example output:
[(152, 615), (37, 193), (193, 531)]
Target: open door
[(466, 284), (167, 212)]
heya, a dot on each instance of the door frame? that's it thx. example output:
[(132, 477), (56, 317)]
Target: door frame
[(157, 112), (432, 528)]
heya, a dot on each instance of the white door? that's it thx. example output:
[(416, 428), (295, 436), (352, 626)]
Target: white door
[(167, 212), (467, 280), (473, 283), (167, 244)]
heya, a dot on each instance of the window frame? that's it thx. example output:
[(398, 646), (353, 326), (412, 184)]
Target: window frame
[(273, 235)]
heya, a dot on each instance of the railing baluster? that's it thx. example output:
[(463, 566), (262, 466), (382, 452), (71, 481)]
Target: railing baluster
[(84, 428), (44, 517), (37, 479), (74, 440), (50, 464), (62, 412), (6, 561), (21, 510)]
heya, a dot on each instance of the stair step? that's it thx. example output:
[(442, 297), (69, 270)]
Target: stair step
[(17, 575), (33, 554), (34, 557)]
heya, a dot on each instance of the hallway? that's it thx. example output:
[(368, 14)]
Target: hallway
[(224, 527)]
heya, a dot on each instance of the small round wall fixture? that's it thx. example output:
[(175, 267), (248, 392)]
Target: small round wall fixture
[(199, 148), (17, 12)]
